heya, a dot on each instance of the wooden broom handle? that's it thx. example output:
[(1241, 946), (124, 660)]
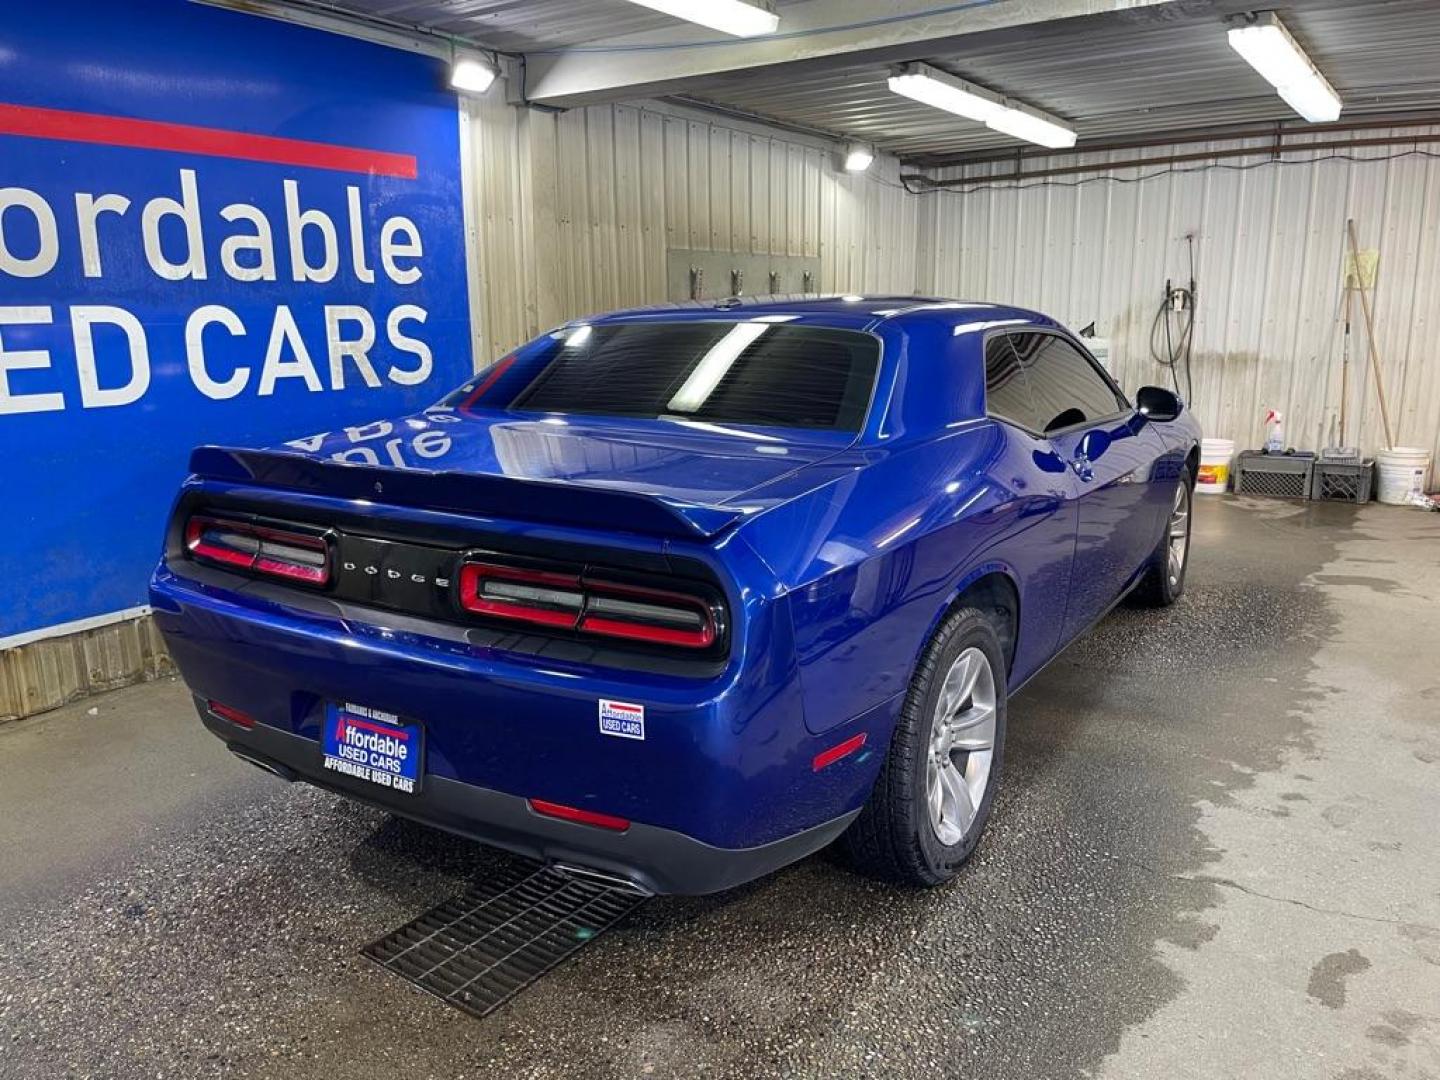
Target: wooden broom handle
[(1370, 334)]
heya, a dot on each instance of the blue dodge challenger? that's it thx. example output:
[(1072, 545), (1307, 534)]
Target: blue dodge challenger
[(674, 597)]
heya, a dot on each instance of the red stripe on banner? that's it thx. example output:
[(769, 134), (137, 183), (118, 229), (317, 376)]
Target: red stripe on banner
[(187, 139)]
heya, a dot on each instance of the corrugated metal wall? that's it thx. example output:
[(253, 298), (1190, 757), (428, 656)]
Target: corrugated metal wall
[(575, 212), (1269, 245), (46, 674)]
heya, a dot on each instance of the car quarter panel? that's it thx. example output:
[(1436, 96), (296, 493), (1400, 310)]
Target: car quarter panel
[(871, 562)]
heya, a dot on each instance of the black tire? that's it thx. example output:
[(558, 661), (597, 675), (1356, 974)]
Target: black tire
[(1159, 587), (894, 838)]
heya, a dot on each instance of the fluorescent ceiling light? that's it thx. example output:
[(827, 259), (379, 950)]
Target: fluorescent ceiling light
[(1268, 47), (471, 75), (858, 157), (1029, 125), (941, 90), (1315, 101), (714, 366), (728, 16)]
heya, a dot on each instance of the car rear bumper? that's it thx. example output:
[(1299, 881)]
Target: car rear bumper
[(656, 860)]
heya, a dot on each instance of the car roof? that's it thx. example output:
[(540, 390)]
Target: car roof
[(850, 311)]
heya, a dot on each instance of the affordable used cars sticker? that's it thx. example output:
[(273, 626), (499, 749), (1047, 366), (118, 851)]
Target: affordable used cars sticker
[(622, 719)]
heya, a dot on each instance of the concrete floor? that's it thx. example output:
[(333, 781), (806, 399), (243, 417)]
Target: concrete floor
[(1216, 853)]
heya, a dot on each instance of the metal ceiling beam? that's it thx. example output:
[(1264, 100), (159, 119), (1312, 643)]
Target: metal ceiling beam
[(1274, 131), (923, 182), (674, 60)]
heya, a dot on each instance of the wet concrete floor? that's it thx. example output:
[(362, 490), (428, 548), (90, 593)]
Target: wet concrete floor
[(1216, 853)]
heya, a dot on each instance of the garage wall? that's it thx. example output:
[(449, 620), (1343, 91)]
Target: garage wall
[(1268, 254), (574, 212)]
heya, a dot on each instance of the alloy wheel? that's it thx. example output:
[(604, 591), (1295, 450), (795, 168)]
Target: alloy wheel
[(962, 746), (1178, 534)]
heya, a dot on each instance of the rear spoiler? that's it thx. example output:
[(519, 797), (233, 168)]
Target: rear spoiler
[(548, 501)]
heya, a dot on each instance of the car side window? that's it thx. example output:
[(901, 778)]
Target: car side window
[(1007, 391), (1066, 387)]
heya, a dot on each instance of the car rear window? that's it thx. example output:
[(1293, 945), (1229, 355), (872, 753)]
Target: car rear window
[(752, 372)]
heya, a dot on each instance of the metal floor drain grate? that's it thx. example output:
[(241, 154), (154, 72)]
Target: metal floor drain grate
[(482, 948)]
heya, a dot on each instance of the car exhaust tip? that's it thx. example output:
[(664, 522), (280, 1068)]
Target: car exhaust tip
[(603, 877), (260, 763)]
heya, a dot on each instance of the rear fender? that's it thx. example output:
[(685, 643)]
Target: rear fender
[(965, 582)]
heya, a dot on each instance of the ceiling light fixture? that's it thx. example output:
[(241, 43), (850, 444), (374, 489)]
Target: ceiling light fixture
[(858, 157), (728, 16), (1033, 126), (1267, 46), (470, 75), (941, 90)]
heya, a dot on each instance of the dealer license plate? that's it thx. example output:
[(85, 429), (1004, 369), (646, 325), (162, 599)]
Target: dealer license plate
[(371, 745)]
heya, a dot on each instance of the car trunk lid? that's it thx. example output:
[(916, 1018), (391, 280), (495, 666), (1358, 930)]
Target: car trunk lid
[(658, 477)]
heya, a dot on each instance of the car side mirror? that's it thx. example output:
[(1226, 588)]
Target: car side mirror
[(1157, 403)]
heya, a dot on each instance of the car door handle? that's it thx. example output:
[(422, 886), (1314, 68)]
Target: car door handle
[(1083, 469)]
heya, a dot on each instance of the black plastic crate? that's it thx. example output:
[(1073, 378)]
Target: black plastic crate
[(1342, 481), (1277, 476)]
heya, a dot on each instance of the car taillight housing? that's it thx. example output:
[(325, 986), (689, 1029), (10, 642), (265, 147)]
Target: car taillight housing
[(259, 549), (591, 605)]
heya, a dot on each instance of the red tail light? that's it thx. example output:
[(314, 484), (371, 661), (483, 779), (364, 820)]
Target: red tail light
[(582, 817), (230, 713), (576, 601), (534, 596), (259, 549)]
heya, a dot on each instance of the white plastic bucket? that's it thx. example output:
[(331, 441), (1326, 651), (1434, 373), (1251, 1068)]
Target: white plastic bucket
[(1402, 470), (1215, 457)]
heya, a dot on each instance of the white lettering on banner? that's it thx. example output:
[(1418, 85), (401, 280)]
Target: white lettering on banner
[(165, 236), (187, 209), (390, 250), (87, 216), (195, 352), (408, 344), (296, 222), (284, 332), (48, 250), (92, 395), (363, 273), (25, 360), (356, 349), (400, 240), (261, 242)]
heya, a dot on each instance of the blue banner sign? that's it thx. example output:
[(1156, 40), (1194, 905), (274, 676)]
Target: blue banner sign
[(214, 228)]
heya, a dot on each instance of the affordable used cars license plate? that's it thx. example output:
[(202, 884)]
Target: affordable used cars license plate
[(371, 745)]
